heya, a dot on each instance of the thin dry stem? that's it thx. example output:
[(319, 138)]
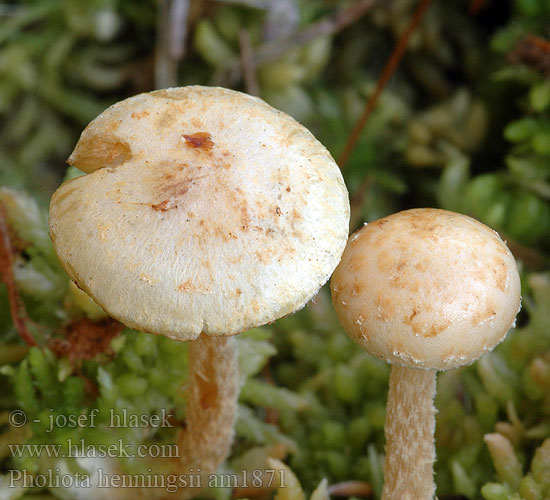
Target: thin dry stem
[(359, 489), (409, 429), (387, 72), (17, 309), (178, 28), (170, 47), (529, 256)]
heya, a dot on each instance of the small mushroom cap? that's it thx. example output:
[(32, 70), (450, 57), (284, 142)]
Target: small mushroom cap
[(204, 210), (426, 288)]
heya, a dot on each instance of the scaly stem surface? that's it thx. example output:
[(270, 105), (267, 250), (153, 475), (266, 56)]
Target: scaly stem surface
[(212, 393), (409, 429), (212, 402)]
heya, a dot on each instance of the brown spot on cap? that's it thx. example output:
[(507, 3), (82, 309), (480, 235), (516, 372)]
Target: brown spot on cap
[(141, 114), (422, 265), (433, 330), (186, 286), (99, 151), (189, 286), (484, 314), (386, 261), (245, 217), (500, 273), (411, 316), (384, 308), (296, 215), (199, 140)]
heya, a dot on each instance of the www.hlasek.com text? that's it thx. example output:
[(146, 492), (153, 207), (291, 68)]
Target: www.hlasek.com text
[(79, 449)]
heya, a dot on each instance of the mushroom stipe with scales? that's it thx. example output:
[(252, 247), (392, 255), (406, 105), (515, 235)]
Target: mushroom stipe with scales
[(425, 290), (205, 212)]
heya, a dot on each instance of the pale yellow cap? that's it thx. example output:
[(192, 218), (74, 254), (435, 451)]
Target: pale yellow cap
[(204, 210), (426, 288)]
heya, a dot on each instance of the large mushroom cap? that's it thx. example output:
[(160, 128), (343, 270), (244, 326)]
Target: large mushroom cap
[(204, 210), (426, 288)]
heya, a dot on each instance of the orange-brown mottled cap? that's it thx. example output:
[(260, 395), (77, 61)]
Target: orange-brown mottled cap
[(426, 288), (204, 209)]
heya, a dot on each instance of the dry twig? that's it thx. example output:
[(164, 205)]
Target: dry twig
[(17, 309), (254, 4), (387, 72), (532, 259), (171, 32), (360, 489)]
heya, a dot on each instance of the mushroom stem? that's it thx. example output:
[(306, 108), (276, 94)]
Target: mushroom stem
[(211, 405), (409, 430), (211, 409)]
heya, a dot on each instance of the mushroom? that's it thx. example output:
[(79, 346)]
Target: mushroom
[(425, 290), (205, 212)]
